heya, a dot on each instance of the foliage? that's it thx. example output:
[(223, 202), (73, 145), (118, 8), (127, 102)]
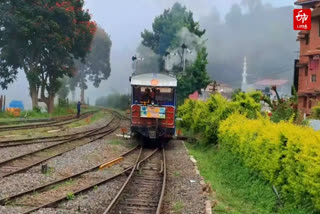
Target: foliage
[(177, 207), (70, 196), (204, 118), (286, 155), (43, 38), (316, 111), (166, 27), (248, 103), (166, 36), (283, 112), (196, 77), (235, 93), (116, 100), (97, 65), (237, 189)]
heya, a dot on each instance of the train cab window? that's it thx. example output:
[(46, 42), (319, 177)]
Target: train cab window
[(165, 96), (149, 95)]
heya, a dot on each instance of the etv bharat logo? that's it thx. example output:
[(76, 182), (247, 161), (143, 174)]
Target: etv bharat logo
[(302, 19)]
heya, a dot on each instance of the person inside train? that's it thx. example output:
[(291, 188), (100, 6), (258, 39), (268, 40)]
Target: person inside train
[(146, 97), (153, 96)]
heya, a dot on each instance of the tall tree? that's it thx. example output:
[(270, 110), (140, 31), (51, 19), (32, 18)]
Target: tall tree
[(166, 27), (167, 36), (97, 66), (43, 37)]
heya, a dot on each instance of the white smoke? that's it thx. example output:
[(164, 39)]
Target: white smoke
[(147, 61), (192, 44)]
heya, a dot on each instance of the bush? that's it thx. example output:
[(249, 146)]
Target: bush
[(285, 154), (315, 112), (283, 112), (203, 118)]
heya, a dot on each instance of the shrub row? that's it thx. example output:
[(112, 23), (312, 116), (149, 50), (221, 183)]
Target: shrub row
[(285, 154), (203, 117)]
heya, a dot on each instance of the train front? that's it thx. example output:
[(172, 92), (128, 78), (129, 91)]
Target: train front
[(153, 105)]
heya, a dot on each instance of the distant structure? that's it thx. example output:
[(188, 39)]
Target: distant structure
[(265, 85), (306, 74), (244, 85), (213, 88)]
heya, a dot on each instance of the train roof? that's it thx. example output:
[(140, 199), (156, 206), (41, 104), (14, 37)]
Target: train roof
[(154, 80)]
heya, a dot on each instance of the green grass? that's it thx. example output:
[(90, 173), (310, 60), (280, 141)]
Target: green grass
[(177, 174), (97, 116), (238, 191), (177, 207), (70, 196), (115, 142), (58, 112)]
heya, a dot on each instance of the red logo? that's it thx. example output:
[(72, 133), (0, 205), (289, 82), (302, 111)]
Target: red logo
[(154, 82), (302, 19)]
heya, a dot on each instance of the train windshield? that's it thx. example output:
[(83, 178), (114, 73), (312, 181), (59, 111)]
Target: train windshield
[(149, 95)]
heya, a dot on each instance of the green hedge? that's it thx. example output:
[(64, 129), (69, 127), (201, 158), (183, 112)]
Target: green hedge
[(285, 154)]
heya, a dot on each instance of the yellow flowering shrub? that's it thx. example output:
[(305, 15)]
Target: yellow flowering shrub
[(285, 154)]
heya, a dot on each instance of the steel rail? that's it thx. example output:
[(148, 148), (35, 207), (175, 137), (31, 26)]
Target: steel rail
[(164, 182), (97, 132), (5, 200), (121, 191), (49, 124), (85, 188), (50, 139)]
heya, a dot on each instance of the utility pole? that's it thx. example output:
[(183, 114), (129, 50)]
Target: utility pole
[(185, 50), (184, 47)]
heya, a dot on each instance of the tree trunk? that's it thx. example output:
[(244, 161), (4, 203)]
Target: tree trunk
[(82, 95), (50, 104), (34, 98)]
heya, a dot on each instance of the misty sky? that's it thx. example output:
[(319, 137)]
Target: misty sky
[(124, 20)]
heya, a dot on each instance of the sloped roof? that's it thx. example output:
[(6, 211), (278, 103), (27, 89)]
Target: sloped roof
[(154, 80), (302, 2), (271, 82)]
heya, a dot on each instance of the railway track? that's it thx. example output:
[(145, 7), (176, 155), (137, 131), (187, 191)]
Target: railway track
[(27, 121), (39, 120), (41, 197), (51, 139), (143, 195), (54, 123), (26, 161), (143, 191)]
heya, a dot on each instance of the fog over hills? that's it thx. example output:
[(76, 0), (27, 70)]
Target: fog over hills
[(265, 37)]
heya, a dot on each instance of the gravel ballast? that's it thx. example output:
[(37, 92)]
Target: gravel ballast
[(183, 190)]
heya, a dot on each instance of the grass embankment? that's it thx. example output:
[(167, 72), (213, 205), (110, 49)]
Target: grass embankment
[(59, 111), (89, 120), (238, 191), (44, 132)]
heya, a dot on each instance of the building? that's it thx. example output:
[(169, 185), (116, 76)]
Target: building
[(265, 85), (307, 69), (224, 89)]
